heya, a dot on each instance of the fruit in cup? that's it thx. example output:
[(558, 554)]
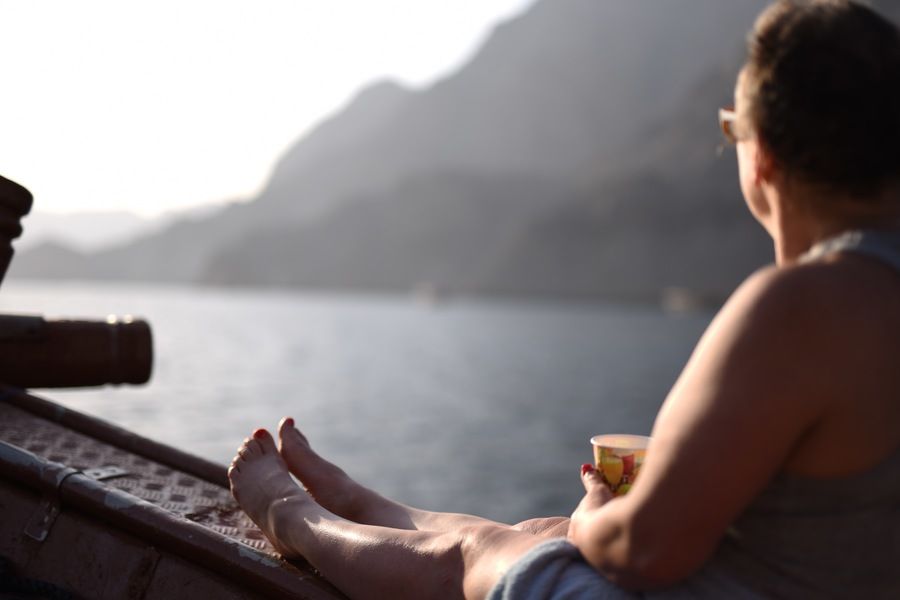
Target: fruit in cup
[(619, 458), (628, 463), (613, 468)]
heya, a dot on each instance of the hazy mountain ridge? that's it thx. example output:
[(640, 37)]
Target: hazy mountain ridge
[(86, 231), (562, 247), (547, 90), (95, 231), (574, 155), (432, 230)]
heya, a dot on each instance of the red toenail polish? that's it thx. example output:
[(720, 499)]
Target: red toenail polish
[(259, 433), (586, 468), (289, 422)]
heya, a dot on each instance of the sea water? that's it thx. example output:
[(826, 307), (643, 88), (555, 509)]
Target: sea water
[(485, 407)]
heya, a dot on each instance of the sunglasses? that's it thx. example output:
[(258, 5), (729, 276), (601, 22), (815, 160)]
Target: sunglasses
[(727, 119)]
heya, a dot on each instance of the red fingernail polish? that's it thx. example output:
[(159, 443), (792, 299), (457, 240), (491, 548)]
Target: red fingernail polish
[(586, 468), (259, 433), (289, 421)]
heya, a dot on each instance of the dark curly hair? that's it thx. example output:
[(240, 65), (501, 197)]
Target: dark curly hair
[(822, 90)]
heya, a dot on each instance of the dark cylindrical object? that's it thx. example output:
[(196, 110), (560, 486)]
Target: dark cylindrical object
[(15, 202), (40, 353)]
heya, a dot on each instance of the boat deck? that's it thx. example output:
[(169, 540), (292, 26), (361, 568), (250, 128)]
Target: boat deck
[(104, 513)]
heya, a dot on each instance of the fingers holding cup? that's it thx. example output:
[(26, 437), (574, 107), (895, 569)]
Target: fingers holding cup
[(618, 459)]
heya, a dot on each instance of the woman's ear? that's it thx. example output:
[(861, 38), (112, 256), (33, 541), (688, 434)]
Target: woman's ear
[(765, 166)]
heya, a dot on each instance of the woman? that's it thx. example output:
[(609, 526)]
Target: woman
[(774, 468)]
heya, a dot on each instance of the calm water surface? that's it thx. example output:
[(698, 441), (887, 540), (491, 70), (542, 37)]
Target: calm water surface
[(465, 406)]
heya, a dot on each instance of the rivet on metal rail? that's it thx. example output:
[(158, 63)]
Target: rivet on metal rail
[(106, 473)]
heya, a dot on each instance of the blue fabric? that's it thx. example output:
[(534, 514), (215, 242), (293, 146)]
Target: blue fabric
[(882, 245), (555, 569)]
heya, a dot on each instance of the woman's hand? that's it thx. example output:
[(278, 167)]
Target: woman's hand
[(596, 495)]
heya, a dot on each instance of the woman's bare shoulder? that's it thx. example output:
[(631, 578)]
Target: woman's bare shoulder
[(835, 325), (844, 300)]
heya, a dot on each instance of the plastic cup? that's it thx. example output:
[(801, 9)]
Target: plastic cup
[(619, 457)]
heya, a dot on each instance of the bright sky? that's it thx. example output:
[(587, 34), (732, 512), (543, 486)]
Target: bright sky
[(151, 106)]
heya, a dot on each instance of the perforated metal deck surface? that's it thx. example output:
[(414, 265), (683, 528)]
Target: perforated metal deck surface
[(180, 493)]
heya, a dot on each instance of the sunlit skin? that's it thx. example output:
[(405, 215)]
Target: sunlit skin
[(368, 546), (796, 374)]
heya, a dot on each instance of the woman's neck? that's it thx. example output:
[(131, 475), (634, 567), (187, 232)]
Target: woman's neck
[(804, 217)]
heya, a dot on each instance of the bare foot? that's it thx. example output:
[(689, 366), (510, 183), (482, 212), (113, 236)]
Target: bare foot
[(329, 485), (261, 484)]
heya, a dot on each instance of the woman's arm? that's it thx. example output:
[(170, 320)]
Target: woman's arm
[(757, 383)]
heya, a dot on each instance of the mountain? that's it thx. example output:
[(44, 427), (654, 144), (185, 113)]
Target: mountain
[(90, 231), (85, 231), (630, 235), (569, 80), (433, 230), (573, 155)]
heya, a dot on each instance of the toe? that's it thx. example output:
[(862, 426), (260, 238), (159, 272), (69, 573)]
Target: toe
[(289, 435), (248, 450), (265, 443), (285, 426)]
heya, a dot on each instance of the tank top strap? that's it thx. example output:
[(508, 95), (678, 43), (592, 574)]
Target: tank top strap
[(882, 245)]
